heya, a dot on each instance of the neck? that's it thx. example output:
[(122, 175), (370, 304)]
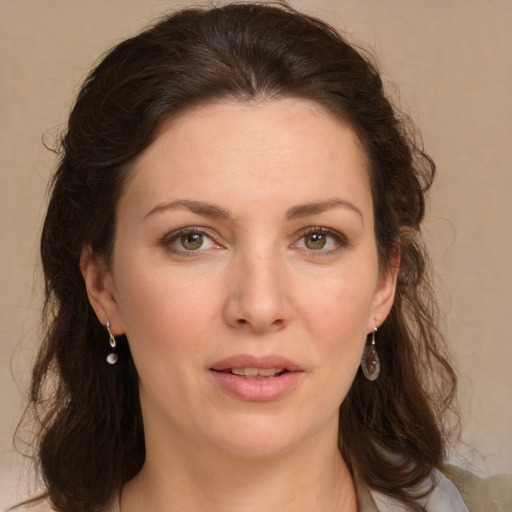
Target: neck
[(310, 478)]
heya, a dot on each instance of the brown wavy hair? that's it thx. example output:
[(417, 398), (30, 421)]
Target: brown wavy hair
[(90, 438)]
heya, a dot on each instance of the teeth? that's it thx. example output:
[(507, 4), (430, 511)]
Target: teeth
[(268, 372), (254, 373)]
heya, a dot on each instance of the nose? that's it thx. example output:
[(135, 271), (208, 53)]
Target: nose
[(258, 297)]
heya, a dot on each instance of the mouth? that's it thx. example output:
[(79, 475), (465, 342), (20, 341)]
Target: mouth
[(248, 366), (257, 379), (255, 373)]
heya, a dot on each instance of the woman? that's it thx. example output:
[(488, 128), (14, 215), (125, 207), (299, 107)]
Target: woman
[(240, 316)]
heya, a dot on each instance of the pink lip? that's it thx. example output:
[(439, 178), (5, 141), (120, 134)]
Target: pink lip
[(256, 390)]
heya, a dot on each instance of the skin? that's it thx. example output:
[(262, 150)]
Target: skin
[(271, 277)]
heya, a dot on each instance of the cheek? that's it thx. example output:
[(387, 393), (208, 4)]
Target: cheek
[(339, 304), (337, 317), (166, 312)]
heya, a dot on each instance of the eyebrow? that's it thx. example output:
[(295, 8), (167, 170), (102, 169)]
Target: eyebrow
[(199, 207), (295, 212), (304, 210)]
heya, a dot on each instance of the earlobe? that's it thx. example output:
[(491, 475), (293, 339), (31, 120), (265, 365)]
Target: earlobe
[(100, 289)]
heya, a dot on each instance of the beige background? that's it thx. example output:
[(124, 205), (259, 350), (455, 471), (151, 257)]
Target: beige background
[(451, 61)]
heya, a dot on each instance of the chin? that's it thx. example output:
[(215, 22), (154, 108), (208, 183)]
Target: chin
[(263, 436), (259, 447)]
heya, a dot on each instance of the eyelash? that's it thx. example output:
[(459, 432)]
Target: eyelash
[(170, 238), (339, 239)]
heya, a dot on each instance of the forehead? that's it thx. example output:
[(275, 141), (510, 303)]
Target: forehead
[(288, 146)]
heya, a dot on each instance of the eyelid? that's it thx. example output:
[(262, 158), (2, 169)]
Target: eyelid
[(340, 239), (169, 238)]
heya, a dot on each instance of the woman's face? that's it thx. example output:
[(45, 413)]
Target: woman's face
[(245, 276)]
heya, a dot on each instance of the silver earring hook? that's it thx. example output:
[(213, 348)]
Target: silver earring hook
[(112, 357)]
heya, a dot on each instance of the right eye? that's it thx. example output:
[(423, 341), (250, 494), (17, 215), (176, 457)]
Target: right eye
[(189, 240)]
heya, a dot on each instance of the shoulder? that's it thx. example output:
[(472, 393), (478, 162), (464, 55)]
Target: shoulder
[(455, 490), (491, 494)]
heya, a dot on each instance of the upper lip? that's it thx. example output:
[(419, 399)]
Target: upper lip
[(250, 361)]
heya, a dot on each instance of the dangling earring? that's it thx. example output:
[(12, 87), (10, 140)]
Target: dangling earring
[(370, 363), (112, 357)]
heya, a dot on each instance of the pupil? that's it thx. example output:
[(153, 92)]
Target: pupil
[(192, 241), (315, 241)]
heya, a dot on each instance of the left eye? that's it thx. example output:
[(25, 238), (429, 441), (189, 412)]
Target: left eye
[(319, 240)]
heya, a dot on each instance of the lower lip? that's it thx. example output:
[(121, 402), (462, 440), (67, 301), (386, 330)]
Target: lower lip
[(257, 390)]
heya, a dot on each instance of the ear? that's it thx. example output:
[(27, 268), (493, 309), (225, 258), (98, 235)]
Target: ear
[(385, 291), (100, 288)]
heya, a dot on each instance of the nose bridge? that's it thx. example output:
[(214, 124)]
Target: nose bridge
[(258, 295)]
